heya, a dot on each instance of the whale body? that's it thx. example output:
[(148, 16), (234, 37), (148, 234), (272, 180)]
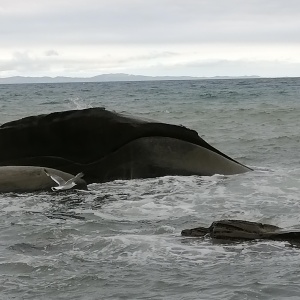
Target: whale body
[(105, 146), (30, 179)]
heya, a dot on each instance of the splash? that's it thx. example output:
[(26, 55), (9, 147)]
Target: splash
[(78, 103)]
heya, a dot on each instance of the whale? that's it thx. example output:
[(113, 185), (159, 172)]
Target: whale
[(31, 179), (106, 145), (159, 156)]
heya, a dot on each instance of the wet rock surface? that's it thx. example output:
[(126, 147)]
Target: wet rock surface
[(239, 230)]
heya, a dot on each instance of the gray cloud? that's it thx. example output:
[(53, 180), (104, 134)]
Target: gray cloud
[(24, 63), (45, 36), (51, 53), (164, 21), (265, 68)]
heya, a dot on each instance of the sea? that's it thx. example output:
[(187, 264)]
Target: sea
[(122, 239)]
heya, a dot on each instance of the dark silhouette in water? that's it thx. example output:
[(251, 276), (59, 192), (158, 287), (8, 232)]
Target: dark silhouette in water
[(106, 146), (239, 230)]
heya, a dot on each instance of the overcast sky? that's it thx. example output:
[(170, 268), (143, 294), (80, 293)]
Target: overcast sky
[(150, 37)]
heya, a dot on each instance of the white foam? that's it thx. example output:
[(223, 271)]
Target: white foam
[(78, 103)]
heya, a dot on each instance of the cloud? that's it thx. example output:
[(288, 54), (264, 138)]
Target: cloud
[(22, 62), (264, 68), (194, 61), (156, 21), (51, 53), (74, 63), (107, 35)]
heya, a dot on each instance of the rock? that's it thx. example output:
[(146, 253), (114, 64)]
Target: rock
[(238, 230)]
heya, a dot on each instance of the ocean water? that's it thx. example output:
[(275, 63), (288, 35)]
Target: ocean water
[(121, 239)]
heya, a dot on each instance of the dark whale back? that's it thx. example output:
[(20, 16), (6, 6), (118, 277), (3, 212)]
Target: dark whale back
[(83, 135), (70, 140)]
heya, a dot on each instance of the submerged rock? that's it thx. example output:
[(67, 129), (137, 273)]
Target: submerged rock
[(239, 230), (106, 146)]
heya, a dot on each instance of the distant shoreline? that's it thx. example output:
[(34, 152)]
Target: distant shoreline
[(109, 78)]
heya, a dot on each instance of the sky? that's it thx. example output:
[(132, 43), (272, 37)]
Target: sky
[(83, 38)]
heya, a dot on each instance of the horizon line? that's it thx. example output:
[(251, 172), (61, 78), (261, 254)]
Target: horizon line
[(121, 77)]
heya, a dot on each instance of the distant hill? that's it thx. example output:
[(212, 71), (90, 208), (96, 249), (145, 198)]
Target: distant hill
[(105, 78)]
